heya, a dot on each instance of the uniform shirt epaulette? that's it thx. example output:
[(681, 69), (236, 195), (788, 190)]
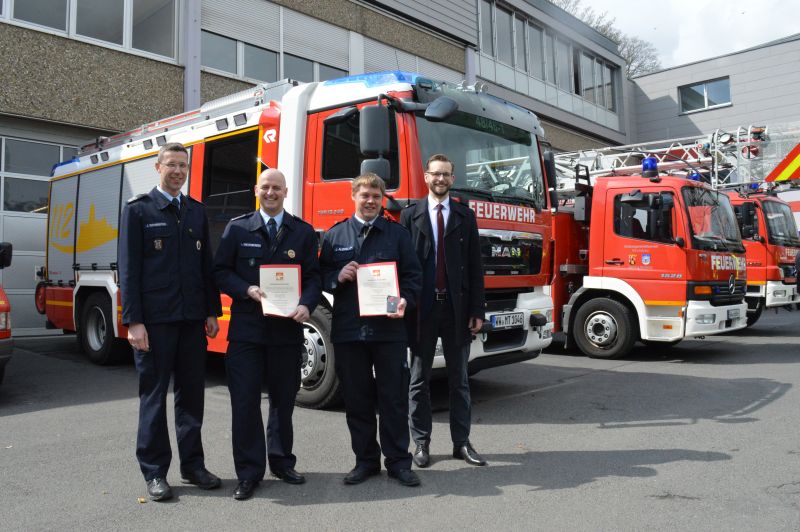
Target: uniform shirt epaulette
[(137, 197), (339, 222), (298, 219), (245, 215)]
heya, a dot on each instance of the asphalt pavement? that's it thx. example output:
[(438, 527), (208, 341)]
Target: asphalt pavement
[(700, 436)]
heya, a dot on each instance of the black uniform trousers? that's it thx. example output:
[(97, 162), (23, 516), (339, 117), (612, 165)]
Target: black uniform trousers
[(245, 365), (439, 323), (177, 350), (388, 390)]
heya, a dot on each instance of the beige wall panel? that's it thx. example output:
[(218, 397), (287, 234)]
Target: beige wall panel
[(64, 80), (213, 86)]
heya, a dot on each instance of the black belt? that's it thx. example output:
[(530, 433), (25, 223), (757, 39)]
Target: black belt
[(440, 296)]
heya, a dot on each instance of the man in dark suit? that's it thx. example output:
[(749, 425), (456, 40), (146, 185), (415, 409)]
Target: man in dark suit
[(371, 351), (270, 235), (169, 304), (451, 307)]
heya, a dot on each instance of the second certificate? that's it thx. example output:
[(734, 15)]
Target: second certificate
[(280, 287), (376, 282)]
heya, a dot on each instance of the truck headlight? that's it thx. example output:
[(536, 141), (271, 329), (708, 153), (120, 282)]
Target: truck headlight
[(705, 319), (5, 321)]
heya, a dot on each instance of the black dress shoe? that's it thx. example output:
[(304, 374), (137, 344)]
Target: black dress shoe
[(406, 477), (422, 455), (245, 489), (361, 473), (202, 478), (468, 454), (158, 489), (290, 476)]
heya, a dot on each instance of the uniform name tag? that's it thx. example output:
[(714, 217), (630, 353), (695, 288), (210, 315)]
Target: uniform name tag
[(158, 244), (343, 248), (155, 224), (250, 245)]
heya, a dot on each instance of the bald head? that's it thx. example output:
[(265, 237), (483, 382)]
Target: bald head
[(271, 191)]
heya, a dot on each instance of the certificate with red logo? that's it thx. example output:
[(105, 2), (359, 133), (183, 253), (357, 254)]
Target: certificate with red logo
[(280, 289), (376, 282)]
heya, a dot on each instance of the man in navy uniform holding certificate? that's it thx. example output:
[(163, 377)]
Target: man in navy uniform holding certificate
[(270, 235), (363, 344)]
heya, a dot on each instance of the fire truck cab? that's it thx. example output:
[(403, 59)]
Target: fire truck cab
[(655, 259), (771, 241)]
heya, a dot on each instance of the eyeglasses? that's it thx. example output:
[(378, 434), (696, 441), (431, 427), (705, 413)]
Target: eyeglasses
[(174, 166), (439, 174)]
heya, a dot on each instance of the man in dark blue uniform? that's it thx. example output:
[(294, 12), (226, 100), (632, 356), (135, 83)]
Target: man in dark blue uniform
[(269, 235), (169, 304), (366, 344)]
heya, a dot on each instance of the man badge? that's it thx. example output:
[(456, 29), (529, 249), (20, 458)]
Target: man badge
[(158, 244), (199, 245), (290, 253)]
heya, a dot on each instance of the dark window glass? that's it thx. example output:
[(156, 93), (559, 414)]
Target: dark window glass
[(260, 64), (519, 39), (218, 52), (587, 77), (35, 158), (487, 45), (638, 220), (536, 52), (693, 97), (608, 88), (229, 176), (328, 72), (297, 68), (69, 153), (505, 36), (598, 83), (50, 13), (563, 72), (100, 19), (154, 26), (341, 155), (718, 92), (25, 195)]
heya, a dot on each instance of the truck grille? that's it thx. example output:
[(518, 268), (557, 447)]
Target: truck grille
[(722, 292), (504, 255)]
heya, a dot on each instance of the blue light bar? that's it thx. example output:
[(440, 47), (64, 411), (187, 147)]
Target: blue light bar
[(374, 79), (649, 166), (754, 186), (694, 175), (63, 163)]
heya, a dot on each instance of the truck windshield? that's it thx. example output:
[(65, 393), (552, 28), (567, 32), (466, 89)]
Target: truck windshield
[(491, 159), (781, 228), (711, 220)]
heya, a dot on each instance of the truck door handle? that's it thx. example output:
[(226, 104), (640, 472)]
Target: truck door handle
[(615, 262)]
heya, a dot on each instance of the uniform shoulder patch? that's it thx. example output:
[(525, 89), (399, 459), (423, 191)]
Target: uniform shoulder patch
[(245, 215), (137, 197), (339, 222)]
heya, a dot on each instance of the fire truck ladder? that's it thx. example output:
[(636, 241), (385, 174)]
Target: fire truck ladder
[(722, 159), (258, 95)]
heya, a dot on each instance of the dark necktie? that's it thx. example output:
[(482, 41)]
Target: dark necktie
[(175, 204), (441, 276), (272, 230)]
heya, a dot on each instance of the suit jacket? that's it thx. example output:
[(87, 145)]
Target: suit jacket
[(462, 263), (244, 247), (165, 262)]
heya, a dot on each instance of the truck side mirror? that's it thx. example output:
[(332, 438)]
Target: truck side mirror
[(5, 254), (550, 170), (374, 130), (748, 231), (379, 167)]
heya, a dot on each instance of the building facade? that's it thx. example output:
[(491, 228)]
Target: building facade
[(78, 69)]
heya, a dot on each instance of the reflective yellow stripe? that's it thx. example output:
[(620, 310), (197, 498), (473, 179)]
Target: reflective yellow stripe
[(756, 283), (60, 303), (665, 303)]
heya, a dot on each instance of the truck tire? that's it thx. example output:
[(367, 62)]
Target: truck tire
[(603, 328), (754, 312), (319, 384), (96, 331)]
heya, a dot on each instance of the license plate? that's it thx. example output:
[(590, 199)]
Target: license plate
[(733, 314), (512, 320)]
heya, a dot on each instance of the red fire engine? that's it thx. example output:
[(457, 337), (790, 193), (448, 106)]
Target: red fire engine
[(320, 135), (642, 256)]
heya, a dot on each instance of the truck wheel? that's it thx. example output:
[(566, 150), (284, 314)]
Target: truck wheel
[(96, 331), (319, 385), (604, 328), (754, 311)]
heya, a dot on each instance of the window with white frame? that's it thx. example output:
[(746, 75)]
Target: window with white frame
[(705, 95), (148, 26), (25, 168)]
